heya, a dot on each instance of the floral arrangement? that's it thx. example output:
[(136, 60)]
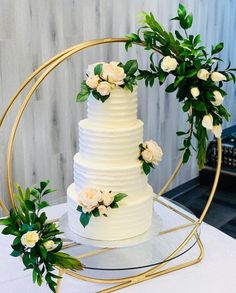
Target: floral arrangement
[(197, 80), (150, 154), (95, 202), (103, 77), (37, 241)]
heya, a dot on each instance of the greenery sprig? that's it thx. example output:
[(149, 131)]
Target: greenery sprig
[(197, 81), (36, 240), (103, 77)]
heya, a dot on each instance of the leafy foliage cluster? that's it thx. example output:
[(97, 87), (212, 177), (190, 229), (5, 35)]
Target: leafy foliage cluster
[(191, 56), (130, 68), (28, 216)]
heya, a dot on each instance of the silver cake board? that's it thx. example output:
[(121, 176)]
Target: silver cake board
[(153, 231)]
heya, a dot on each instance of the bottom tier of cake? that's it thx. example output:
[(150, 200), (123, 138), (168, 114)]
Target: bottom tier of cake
[(132, 218)]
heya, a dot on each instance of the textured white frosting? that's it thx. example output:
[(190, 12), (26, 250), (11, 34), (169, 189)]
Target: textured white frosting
[(110, 145), (129, 220), (108, 160), (119, 110), (129, 179)]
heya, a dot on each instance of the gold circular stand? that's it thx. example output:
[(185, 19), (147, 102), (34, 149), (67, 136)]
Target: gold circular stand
[(42, 73)]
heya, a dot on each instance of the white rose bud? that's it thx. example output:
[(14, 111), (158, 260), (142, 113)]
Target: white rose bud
[(203, 74), (217, 76), (218, 98), (207, 122), (113, 73), (195, 92), (217, 130), (30, 238), (102, 209), (107, 198), (49, 245), (169, 64), (104, 88), (92, 81)]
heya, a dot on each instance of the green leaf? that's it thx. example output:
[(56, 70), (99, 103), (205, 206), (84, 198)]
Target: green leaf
[(180, 133), (16, 253), (178, 36), (99, 97), (5, 221), (79, 208), (48, 191), (186, 106), (181, 11), (114, 205), (189, 20), (98, 69), (27, 193), (178, 80), (191, 72), (96, 212), (200, 106), (146, 168), (133, 37), (85, 218), (43, 205), (11, 230), (197, 40), (34, 275), (84, 93), (44, 184), (131, 67), (119, 197), (43, 251), (30, 205), (217, 48), (186, 156), (171, 88), (42, 218)]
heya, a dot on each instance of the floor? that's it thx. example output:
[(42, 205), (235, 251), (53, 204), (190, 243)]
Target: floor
[(222, 212)]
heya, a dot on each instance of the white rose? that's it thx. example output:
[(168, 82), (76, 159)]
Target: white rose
[(168, 64), (203, 74), (89, 198), (217, 130), (107, 198), (147, 156), (195, 92), (90, 69), (30, 238), (104, 88), (102, 209), (92, 81), (217, 76), (218, 98), (113, 73), (49, 245), (155, 150), (207, 122)]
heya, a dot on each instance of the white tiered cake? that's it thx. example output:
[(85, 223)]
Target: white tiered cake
[(108, 160)]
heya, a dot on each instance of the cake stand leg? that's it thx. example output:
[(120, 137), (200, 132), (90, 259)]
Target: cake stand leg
[(60, 274), (142, 278)]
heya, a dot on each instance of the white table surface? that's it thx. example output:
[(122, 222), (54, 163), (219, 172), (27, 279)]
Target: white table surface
[(215, 274)]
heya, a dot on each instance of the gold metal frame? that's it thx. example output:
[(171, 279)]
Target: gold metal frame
[(42, 72)]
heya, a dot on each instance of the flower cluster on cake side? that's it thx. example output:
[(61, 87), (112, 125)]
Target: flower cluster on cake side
[(95, 202)]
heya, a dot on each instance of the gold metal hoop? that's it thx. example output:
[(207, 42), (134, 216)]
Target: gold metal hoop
[(50, 66)]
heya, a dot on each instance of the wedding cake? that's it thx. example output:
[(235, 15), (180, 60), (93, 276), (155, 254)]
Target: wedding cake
[(110, 198)]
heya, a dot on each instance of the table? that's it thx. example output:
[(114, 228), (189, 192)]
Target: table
[(215, 274)]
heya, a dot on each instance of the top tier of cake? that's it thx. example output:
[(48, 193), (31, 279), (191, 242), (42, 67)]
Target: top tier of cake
[(119, 110)]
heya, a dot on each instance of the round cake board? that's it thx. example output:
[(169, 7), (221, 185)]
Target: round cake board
[(153, 231)]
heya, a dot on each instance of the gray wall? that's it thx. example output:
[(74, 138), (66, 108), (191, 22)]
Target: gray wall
[(32, 31)]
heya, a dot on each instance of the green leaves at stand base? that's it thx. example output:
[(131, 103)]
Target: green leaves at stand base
[(84, 93)]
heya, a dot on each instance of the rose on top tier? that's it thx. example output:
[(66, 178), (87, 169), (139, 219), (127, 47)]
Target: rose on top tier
[(102, 77)]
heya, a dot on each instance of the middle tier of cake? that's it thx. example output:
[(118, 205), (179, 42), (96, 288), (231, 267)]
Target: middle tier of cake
[(110, 145)]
